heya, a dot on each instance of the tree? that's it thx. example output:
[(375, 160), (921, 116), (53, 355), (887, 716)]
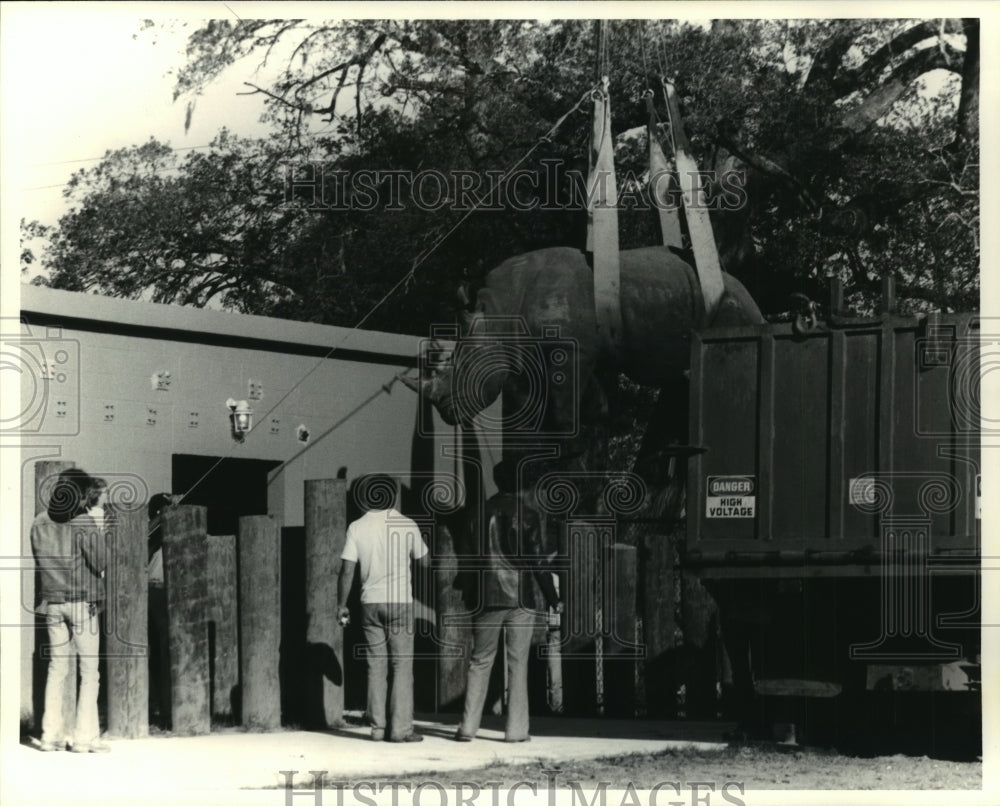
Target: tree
[(188, 232), (854, 166), (851, 170), (213, 228)]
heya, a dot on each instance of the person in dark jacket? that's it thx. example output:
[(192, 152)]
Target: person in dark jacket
[(70, 552), (508, 600)]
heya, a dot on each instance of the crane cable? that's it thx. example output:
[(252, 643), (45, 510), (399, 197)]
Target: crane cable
[(661, 178), (403, 281), (602, 210), (706, 253)]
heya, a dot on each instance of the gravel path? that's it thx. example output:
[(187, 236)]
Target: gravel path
[(755, 767)]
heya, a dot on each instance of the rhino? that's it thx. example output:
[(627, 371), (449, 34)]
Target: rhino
[(532, 310), (532, 304)]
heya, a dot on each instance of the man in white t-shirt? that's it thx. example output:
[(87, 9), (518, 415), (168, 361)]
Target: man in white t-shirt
[(382, 543)]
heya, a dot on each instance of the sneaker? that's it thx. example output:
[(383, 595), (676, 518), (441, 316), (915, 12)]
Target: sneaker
[(93, 747), (514, 741), (51, 747), (413, 737)]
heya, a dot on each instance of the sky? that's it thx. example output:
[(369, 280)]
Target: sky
[(103, 84)]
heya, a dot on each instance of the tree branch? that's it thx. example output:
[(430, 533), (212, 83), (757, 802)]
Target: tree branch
[(357, 97), (955, 300), (952, 185), (357, 59), (852, 80), (766, 165), (301, 105), (967, 119), (882, 98), (331, 109), (419, 85), (273, 40), (828, 60), (268, 93), (305, 42)]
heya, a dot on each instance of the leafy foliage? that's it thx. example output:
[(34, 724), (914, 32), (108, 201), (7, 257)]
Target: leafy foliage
[(857, 139)]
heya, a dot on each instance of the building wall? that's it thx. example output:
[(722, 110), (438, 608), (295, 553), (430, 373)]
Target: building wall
[(102, 408)]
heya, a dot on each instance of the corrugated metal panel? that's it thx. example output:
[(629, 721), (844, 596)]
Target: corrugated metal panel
[(828, 426)]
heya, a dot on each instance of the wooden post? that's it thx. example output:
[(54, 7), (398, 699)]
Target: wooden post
[(45, 477), (222, 613), (620, 631), (454, 634), (260, 621), (185, 558), (888, 294), (836, 295), (582, 620), (325, 533), (127, 628), (659, 621)]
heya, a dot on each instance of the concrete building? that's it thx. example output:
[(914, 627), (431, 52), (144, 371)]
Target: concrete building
[(137, 393)]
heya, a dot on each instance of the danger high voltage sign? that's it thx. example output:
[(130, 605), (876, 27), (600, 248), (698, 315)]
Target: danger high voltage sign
[(731, 497)]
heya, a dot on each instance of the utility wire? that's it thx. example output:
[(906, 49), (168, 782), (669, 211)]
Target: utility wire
[(95, 159), (399, 284)]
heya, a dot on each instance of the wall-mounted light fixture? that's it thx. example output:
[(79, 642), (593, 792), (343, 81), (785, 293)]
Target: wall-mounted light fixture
[(240, 418), (160, 381)]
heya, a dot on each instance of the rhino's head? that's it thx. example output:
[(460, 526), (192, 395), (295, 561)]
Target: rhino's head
[(463, 381)]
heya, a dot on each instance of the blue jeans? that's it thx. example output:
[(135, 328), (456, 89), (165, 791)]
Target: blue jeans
[(388, 630), (75, 624), (520, 625)]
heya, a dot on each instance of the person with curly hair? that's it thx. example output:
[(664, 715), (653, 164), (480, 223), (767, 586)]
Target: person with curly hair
[(70, 552)]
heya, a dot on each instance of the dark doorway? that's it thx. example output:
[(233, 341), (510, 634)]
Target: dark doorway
[(229, 488)]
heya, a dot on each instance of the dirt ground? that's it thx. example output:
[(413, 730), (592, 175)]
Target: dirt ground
[(755, 767)]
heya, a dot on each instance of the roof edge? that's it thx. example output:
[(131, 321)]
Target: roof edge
[(208, 326)]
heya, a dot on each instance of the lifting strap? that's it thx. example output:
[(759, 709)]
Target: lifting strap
[(706, 256), (661, 180), (602, 223)]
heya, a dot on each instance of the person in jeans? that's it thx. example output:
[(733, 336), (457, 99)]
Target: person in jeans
[(508, 600), (70, 552), (381, 544)]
